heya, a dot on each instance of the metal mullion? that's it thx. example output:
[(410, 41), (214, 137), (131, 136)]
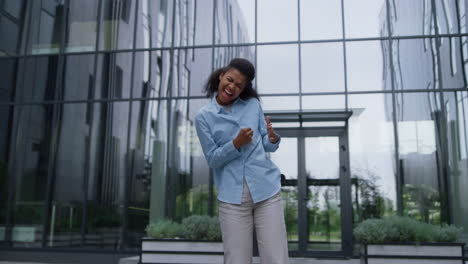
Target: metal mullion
[(462, 55), (203, 97), (459, 35), (398, 180), (299, 54), (302, 194), (255, 40), (345, 194), (443, 131), (211, 173), (345, 66)]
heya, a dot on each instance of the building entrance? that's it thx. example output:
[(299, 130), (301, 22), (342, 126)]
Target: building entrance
[(316, 190)]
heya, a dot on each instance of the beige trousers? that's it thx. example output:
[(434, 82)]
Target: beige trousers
[(237, 223)]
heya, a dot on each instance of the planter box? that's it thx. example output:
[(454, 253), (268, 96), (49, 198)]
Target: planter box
[(180, 251), (424, 253)]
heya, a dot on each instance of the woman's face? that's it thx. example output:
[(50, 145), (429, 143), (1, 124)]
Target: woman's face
[(231, 85)]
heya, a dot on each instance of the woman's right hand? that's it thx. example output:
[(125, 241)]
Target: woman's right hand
[(244, 137)]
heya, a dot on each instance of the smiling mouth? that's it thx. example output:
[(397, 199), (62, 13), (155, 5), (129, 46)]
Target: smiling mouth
[(226, 91)]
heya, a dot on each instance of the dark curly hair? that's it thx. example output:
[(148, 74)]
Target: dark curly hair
[(243, 66)]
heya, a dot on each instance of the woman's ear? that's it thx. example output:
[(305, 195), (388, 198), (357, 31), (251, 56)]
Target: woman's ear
[(221, 76)]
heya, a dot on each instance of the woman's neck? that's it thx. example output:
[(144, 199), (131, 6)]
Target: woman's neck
[(221, 103)]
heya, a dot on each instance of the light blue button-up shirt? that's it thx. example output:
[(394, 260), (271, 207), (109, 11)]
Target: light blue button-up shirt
[(216, 129)]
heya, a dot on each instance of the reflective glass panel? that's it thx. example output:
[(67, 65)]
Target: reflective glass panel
[(321, 19), (10, 34), (154, 28), (323, 102), (225, 54), (365, 18), (193, 22), (45, 31), (277, 21), (372, 156), (31, 172), (38, 79), (113, 78), (200, 69), (419, 120), (6, 126), (322, 67), (447, 16), (412, 17), (280, 103), (367, 65), (81, 26), (13, 7), (117, 24), (8, 69), (278, 69), (451, 63), (413, 62), (457, 143), (235, 21)]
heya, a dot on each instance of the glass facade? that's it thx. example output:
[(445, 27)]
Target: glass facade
[(98, 98)]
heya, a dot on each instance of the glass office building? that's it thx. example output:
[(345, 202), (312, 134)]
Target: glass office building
[(98, 97)]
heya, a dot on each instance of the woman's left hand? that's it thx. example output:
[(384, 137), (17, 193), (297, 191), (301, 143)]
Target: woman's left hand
[(271, 132)]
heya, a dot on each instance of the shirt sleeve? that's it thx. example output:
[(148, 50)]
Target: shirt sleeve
[(216, 156), (267, 145)]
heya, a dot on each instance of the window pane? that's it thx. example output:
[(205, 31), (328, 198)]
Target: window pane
[(365, 65), (235, 21), (412, 17), (142, 88), (31, 171), (82, 26), (38, 77), (321, 19), (413, 64), (154, 28), (419, 120), (278, 69), (322, 67), (6, 114), (462, 15), (457, 143), (78, 78), (194, 23), (8, 69), (365, 18), (224, 55), (46, 32), (10, 34), (323, 102), (447, 16), (200, 70), (279, 103), (451, 63), (277, 21), (113, 76), (13, 7), (117, 24), (372, 154)]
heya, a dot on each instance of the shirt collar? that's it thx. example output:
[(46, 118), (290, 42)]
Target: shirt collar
[(218, 107)]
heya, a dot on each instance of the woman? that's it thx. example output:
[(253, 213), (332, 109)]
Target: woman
[(235, 137)]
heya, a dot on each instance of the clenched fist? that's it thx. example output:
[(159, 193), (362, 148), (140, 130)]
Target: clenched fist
[(244, 137)]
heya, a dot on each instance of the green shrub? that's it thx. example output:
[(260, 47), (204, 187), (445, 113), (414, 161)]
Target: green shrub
[(201, 227), (403, 229), (164, 229)]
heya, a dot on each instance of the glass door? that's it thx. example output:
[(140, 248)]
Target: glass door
[(316, 191)]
